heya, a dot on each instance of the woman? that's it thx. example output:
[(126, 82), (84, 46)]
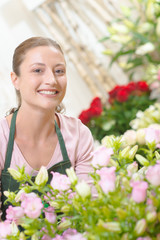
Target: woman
[(32, 135)]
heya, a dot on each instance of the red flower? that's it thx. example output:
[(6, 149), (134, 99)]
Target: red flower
[(96, 107), (122, 95), (85, 116), (142, 86), (131, 86), (114, 91), (96, 102), (94, 110)]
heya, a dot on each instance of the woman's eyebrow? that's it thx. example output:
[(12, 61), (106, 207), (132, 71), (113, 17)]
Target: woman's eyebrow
[(38, 63), (59, 64), (42, 64)]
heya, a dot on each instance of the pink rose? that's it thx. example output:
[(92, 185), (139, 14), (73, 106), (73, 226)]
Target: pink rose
[(139, 191), (58, 237), (5, 229), (60, 181), (45, 233), (158, 77), (71, 195), (72, 234), (153, 175), (158, 145), (32, 205), (154, 85), (107, 179), (50, 214), (27, 195), (152, 134), (14, 213), (101, 156), (144, 238), (46, 237)]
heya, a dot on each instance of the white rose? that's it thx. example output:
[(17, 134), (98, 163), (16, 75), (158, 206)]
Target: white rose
[(72, 175), (120, 28), (83, 189), (130, 137), (139, 114), (155, 125), (145, 27), (134, 123), (151, 108), (120, 39), (140, 136), (145, 48), (42, 176)]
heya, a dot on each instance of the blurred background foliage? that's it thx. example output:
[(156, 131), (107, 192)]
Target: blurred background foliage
[(134, 43), (136, 37)]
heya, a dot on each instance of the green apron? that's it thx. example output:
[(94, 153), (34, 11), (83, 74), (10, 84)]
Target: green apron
[(8, 183)]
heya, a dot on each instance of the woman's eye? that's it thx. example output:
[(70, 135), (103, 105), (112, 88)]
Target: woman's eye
[(60, 71), (37, 70)]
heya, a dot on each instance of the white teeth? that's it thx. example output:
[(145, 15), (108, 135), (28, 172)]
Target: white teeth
[(48, 92)]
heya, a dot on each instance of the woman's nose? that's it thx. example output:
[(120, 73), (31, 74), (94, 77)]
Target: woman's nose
[(50, 78)]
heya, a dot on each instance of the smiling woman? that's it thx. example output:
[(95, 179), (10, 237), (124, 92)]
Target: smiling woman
[(35, 134), (41, 54), (42, 77)]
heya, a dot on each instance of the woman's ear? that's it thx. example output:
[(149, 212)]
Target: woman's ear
[(15, 80)]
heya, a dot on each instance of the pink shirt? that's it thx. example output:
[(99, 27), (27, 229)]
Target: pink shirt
[(78, 141)]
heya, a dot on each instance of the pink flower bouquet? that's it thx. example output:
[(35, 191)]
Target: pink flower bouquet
[(123, 201)]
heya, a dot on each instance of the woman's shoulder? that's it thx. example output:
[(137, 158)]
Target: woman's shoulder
[(67, 119), (73, 124), (76, 135), (3, 123), (70, 121), (4, 129)]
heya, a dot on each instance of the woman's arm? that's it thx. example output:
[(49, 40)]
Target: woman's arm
[(85, 148), (0, 184), (84, 158), (0, 201)]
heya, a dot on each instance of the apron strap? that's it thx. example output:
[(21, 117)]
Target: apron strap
[(10, 142), (62, 144)]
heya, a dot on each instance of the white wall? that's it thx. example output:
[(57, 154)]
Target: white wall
[(18, 22)]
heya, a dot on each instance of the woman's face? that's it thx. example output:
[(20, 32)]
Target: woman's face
[(42, 81)]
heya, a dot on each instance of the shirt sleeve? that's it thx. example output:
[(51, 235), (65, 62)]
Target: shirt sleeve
[(85, 148)]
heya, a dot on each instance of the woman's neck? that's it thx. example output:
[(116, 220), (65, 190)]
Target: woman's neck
[(35, 124)]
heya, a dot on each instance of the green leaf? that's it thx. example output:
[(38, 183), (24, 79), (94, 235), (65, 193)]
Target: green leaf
[(104, 39), (141, 37), (150, 59), (136, 61), (121, 53)]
